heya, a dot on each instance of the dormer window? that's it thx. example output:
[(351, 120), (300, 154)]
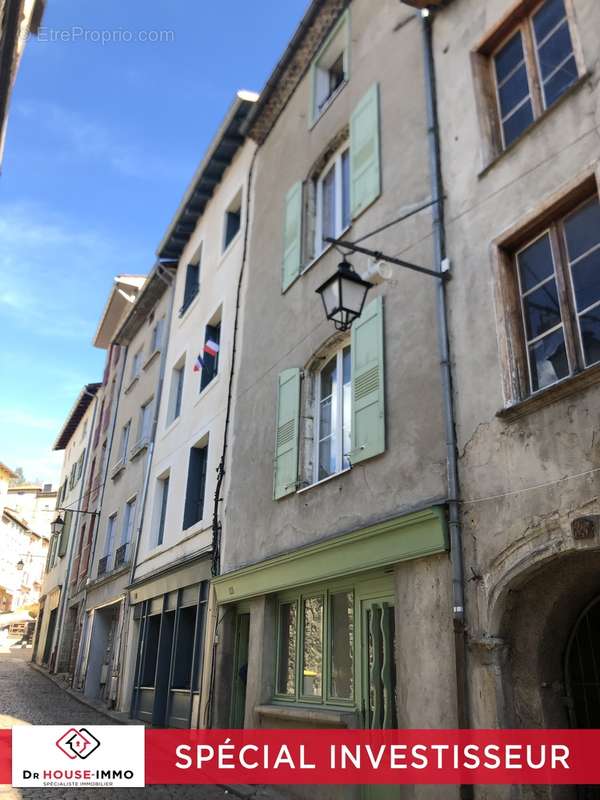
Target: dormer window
[(330, 68)]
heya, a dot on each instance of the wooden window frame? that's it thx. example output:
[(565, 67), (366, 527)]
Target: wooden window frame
[(518, 18), (338, 354), (549, 216), (297, 598)]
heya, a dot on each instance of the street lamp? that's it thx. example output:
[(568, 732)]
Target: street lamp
[(20, 565), (57, 526), (343, 296)]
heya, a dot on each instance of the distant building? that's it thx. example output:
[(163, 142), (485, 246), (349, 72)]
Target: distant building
[(35, 503), (73, 439), (18, 18), (22, 554), (6, 475)]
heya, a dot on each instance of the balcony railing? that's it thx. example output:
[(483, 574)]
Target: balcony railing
[(121, 555), (103, 566)]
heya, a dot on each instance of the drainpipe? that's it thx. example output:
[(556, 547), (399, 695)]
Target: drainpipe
[(439, 238)]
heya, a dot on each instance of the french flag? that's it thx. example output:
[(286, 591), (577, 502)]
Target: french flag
[(198, 363), (211, 347)]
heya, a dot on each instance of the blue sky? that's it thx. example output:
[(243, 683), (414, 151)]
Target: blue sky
[(102, 141)]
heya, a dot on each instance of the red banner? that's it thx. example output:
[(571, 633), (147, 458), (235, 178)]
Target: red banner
[(364, 757)]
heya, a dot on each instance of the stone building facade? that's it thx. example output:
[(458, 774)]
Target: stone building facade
[(519, 109)]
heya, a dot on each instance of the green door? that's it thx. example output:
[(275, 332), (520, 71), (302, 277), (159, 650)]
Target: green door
[(240, 670), (378, 672)]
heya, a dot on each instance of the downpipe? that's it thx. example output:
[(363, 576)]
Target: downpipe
[(454, 526)]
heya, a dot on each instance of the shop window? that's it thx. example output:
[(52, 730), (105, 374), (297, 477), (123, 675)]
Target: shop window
[(151, 651), (316, 645), (184, 648)]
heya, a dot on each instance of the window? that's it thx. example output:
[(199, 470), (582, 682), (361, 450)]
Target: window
[(332, 200), (210, 354), (192, 282), (233, 220), (125, 441), (532, 64), (196, 482), (557, 275), (80, 464), (315, 647), (333, 417), (110, 535), (162, 495), (145, 423), (157, 334), (176, 391), (128, 520), (338, 420), (330, 68), (136, 364)]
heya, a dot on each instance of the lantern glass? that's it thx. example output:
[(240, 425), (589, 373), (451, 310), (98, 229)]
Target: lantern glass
[(57, 526), (343, 296)]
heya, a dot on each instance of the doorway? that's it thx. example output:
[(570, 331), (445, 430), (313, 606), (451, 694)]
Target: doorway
[(378, 671), (169, 662), (240, 670)]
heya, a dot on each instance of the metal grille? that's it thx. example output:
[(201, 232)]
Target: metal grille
[(583, 678)]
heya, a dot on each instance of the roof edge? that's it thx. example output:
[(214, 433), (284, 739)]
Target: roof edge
[(80, 406)]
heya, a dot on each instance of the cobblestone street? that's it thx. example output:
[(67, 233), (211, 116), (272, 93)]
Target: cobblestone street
[(28, 698)]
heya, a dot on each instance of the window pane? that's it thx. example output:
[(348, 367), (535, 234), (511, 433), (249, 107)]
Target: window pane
[(586, 280), (312, 675), (325, 419), (328, 378), (590, 334), (342, 639), (328, 219), (514, 126), (286, 678), (509, 57), (346, 408), (541, 309), (582, 230), (346, 219), (547, 18), (548, 360), (560, 81), (555, 50), (513, 91), (326, 457), (535, 263)]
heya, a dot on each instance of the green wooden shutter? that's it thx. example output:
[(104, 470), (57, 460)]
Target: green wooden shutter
[(368, 405), (365, 168), (292, 236), (64, 536), (285, 476)]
